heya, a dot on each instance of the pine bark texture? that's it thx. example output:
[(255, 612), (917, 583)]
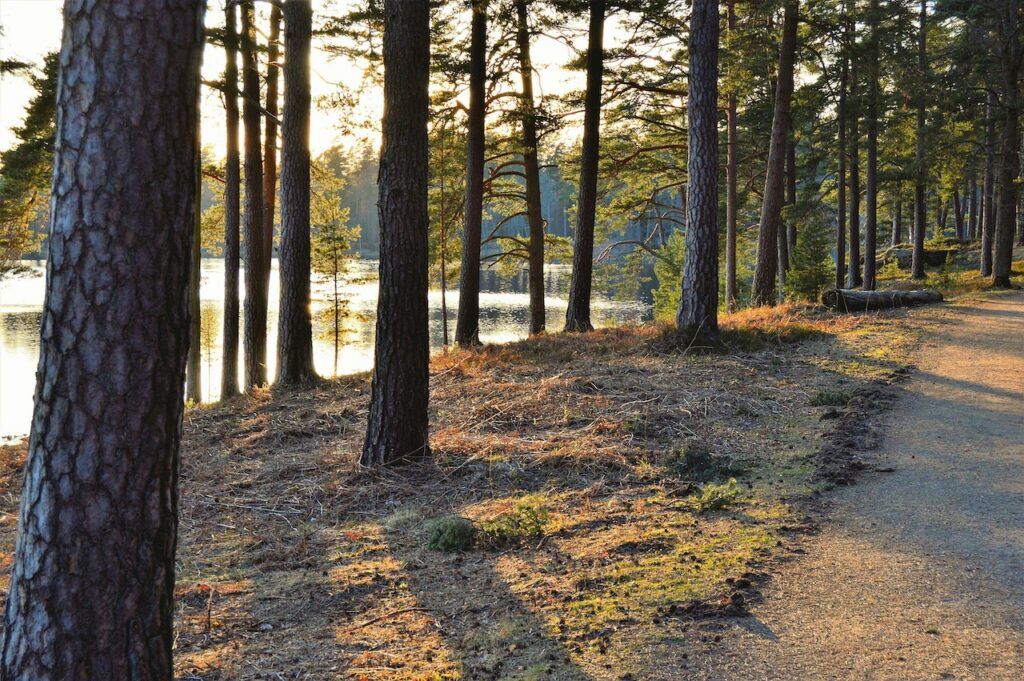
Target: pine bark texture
[(531, 168), (854, 277), (252, 219), (397, 424), (1009, 168), (972, 209), (92, 583), (921, 172), (232, 208), (774, 189), (732, 168), (467, 325), (577, 315), (871, 198), (897, 223), (270, 139), (988, 215), (698, 305), (851, 300), (841, 180), (295, 325)]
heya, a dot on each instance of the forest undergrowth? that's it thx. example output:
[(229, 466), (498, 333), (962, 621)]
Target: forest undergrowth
[(607, 494)]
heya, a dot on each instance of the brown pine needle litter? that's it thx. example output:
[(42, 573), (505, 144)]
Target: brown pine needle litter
[(296, 564)]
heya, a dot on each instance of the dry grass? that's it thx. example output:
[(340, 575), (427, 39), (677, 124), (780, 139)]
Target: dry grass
[(295, 564)]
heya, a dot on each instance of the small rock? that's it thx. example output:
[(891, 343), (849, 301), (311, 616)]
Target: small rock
[(266, 626)]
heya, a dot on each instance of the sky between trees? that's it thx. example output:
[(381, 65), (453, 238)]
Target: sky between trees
[(32, 28)]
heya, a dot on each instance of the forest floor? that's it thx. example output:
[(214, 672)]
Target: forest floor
[(917, 572), (634, 500)]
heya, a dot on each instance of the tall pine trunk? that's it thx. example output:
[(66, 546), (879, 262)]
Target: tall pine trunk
[(294, 327), (988, 216), (252, 221), (1009, 169), (467, 325), (397, 423), (920, 171), (270, 140), (854, 278), (232, 207), (841, 114), (790, 190), (972, 205), (577, 316), (897, 223), (958, 215), (732, 168), (92, 583), (194, 361), (531, 168), (771, 210), (871, 224), (698, 305)]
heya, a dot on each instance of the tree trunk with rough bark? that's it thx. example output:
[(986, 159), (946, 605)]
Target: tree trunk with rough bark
[(252, 220), (295, 325), (270, 139), (841, 114), (988, 216), (958, 215), (1011, 55), (698, 305), (531, 168), (774, 196), (232, 208), (849, 300), (732, 169), (853, 277), (467, 325), (790, 190), (577, 315), (871, 225), (897, 223), (92, 583), (972, 210), (397, 423), (920, 171)]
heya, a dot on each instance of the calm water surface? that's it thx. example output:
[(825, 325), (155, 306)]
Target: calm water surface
[(504, 307)]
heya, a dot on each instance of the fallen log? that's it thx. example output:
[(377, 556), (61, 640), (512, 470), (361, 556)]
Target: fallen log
[(848, 300)]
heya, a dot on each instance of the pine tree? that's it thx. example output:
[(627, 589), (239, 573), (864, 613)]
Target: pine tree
[(92, 584)]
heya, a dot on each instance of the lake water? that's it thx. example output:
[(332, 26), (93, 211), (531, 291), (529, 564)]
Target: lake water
[(504, 307)]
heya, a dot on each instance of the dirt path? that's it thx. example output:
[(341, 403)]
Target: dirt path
[(919, 573)]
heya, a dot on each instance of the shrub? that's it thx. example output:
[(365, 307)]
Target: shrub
[(830, 398), (526, 520), (695, 461), (668, 270), (717, 496), (450, 533), (811, 269)]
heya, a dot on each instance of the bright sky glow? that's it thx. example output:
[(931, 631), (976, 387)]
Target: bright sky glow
[(32, 28)]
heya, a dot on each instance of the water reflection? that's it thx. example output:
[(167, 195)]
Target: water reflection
[(504, 309)]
